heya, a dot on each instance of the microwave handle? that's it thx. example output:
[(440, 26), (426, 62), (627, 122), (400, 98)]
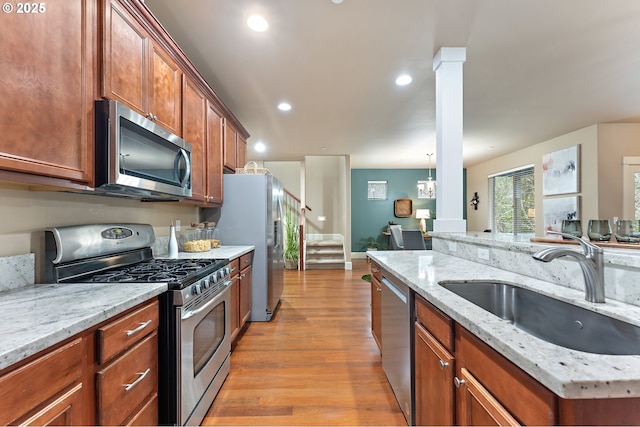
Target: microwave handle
[(187, 174)]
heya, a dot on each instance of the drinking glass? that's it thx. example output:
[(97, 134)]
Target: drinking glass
[(627, 231), (571, 226), (599, 230)]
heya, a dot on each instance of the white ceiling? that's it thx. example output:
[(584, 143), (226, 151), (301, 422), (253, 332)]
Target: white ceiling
[(535, 69)]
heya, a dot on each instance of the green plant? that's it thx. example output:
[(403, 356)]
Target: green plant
[(292, 243), (371, 243), (366, 277)]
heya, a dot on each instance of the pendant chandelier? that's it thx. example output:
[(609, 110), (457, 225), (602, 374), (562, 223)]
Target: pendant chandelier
[(430, 189)]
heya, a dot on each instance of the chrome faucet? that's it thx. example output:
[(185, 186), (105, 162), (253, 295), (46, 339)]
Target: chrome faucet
[(591, 262)]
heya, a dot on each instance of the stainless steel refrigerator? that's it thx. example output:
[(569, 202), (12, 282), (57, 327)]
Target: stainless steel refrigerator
[(251, 214)]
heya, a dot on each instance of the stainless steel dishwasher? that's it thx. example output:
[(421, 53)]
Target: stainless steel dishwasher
[(396, 342)]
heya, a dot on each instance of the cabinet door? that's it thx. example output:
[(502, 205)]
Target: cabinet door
[(376, 311), (165, 91), (215, 141), (434, 390), (245, 295), (230, 141), (194, 111), (47, 79), (64, 411), (241, 151), (235, 306), (477, 407), (125, 58), (44, 381)]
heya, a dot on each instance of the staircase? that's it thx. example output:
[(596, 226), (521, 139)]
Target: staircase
[(324, 252)]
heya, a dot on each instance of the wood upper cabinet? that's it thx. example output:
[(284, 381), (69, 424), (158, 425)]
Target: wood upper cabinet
[(47, 91), (241, 151), (202, 126), (194, 125), (230, 146), (137, 71), (215, 149)]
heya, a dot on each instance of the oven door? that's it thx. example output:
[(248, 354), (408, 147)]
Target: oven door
[(205, 345)]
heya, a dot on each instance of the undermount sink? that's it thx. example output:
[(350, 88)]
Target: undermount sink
[(552, 320)]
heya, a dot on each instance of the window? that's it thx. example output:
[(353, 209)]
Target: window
[(512, 198)]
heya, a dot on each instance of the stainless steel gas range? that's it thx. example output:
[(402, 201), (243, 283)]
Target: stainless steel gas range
[(194, 331)]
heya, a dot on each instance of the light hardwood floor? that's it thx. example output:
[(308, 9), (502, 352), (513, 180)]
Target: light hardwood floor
[(315, 363)]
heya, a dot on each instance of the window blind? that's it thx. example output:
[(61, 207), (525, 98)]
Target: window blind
[(512, 196)]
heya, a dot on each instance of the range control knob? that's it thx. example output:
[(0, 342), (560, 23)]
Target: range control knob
[(205, 283), (227, 271), (195, 289)]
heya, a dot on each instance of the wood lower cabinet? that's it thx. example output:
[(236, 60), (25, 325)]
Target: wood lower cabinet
[(47, 390), (106, 375), (434, 373), (234, 264), (376, 304), (47, 80), (246, 280), (127, 375), (241, 293), (477, 407), (137, 71)]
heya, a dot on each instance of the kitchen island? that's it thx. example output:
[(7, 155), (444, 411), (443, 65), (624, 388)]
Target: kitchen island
[(568, 373)]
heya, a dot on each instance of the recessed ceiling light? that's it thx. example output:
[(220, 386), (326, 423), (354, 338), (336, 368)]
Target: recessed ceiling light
[(284, 106), (259, 147), (403, 80), (257, 23), (336, 1)]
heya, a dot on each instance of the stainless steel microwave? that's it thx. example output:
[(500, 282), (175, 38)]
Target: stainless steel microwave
[(137, 158)]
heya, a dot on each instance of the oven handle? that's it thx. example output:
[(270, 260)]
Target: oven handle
[(205, 307)]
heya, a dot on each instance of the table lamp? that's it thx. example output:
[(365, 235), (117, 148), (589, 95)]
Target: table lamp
[(422, 214)]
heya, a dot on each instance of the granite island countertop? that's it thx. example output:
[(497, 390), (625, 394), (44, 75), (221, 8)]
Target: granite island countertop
[(35, 317), (569, 373)]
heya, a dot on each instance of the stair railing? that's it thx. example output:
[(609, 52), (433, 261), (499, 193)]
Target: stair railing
[(294, 218)]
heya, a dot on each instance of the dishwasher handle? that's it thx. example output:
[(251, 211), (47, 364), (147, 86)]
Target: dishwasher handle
[(393, 288)]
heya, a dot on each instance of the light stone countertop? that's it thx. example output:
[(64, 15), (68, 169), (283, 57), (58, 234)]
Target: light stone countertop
[(33, 318), (569, 373)]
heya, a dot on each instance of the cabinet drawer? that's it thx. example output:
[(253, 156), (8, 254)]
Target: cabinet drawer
[(147, 415), (246, 260), (39, 381), (435, 321), (126, 383), (234, 264), (123, 333), (375, 271)]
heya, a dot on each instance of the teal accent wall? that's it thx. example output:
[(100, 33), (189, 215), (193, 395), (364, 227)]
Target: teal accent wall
[(371, 217)]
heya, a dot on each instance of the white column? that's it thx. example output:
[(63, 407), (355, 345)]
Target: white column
[(447, 64)]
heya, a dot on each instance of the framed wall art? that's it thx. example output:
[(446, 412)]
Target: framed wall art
[(560, 171), (558, 208), (377, 190)]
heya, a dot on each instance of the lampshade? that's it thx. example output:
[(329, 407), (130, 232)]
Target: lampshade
[(423, 213)]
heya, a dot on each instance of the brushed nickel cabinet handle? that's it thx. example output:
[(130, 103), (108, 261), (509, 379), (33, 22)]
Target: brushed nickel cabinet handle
[(458, 382), (128, 387), (443, 364), (139, 328)]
